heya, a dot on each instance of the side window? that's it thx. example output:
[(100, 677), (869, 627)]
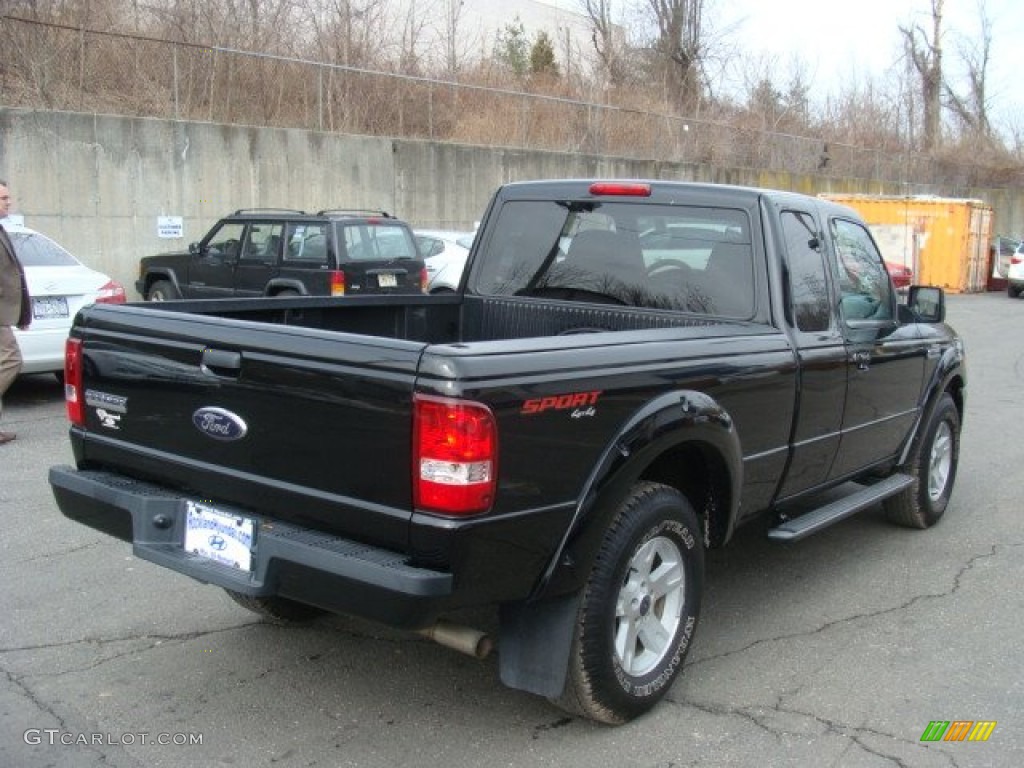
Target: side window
[(808, 286), (225, 242), (865, 291), (306, 245), (263, 243)]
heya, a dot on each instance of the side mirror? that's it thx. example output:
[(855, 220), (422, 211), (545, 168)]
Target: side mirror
[(927, 303), (193, 248)]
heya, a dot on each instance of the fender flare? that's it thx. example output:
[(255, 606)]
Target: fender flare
[(161, 273), (664, 423), (277, 284), (949, 376)]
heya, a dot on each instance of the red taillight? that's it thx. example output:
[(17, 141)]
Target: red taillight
[(111, 293), (629, 189), (74, 397), (337, 283), (455, 453), (424, 280), (1015, 259)]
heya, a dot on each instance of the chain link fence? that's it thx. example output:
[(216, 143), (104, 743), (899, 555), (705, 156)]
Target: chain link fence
[(47, 66)]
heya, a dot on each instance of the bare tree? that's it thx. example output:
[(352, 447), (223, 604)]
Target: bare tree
[(926, 56), (607, 43), (679, 47), (971, 109), (454, 53)]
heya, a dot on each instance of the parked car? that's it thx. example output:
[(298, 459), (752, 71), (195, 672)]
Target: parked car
[(1015, 275), (59, 285), (277, 252), (445, 253), (902, 275)]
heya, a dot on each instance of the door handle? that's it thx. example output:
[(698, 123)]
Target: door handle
[(221, 362), (862, 360)]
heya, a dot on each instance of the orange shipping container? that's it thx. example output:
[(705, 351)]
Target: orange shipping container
[(944, 240)]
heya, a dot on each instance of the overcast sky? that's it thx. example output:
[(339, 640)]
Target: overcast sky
[(860, 38)]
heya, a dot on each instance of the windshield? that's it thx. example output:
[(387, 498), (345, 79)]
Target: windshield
[(688, 258), (35, 250)]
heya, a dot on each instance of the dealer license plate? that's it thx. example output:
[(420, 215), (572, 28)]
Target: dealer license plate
[(224, 538), (387, 280), (46, 307)]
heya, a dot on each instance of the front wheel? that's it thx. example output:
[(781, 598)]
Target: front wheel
[(639, 608), (933, 464)]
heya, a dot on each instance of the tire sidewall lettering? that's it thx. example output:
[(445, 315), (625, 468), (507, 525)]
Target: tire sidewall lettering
[(666, 673)]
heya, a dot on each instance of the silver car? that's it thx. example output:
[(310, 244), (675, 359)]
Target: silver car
[(445, 252)]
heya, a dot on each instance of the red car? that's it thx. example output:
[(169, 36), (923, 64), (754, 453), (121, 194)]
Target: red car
[(902, 276)]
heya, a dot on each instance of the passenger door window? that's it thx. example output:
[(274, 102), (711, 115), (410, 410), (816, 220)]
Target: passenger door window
[(865, 290)]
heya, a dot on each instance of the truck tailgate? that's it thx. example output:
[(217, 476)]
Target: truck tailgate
[(293, 423)]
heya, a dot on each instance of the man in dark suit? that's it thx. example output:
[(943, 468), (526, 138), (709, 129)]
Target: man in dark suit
[(15, 307)]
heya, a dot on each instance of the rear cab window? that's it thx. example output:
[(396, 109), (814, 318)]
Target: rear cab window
[(674, 257)]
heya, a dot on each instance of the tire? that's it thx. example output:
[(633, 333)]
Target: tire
[(933, 464), (161, 290), (278, 610), (632, 635), (1012, 291), (286, 293)]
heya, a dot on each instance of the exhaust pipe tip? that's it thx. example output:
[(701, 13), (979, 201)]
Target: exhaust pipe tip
[(467, 640)]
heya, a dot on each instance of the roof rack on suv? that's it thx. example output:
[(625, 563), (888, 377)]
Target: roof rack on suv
[(353, 212), (242, 211)]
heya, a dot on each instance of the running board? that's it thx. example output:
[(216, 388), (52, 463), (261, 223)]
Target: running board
[(812, 522)]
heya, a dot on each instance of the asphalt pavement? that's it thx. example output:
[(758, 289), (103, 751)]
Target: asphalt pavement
[(841, 650)]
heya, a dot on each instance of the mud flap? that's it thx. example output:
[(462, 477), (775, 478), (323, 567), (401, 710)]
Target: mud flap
[(534, 643)]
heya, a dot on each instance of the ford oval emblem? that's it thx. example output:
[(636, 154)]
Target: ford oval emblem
[(220, 424)]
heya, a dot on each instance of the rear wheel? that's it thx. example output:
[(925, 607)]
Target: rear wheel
[(639, 608), (933, 464), (1012, 291), (161, 290), (279, 610)]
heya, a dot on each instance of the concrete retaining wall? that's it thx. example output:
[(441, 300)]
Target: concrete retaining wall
[(98, 183)]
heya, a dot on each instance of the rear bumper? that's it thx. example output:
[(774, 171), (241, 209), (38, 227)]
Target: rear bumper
[(337, 574)]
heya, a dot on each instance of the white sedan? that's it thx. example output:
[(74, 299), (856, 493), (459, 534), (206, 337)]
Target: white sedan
[(444, 252), (1015, 274), (59, 285)]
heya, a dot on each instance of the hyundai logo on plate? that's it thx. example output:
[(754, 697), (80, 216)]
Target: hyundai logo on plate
[(220, 424), (218, 543)]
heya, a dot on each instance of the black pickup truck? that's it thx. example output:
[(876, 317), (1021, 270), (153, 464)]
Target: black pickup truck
[(629, 371)]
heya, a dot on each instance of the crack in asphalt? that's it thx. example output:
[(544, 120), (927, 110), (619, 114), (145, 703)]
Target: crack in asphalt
[(969, 565), (61, 552), (152, 641), (854, 734), (62, 724)]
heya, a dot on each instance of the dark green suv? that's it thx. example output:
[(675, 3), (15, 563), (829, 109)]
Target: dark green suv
[(275, 252)]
